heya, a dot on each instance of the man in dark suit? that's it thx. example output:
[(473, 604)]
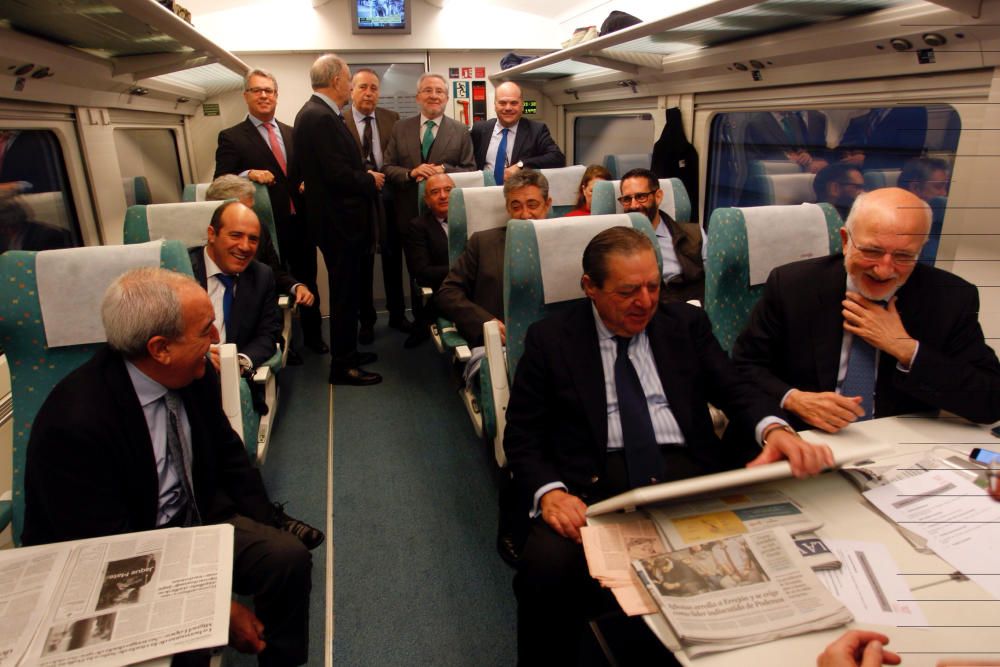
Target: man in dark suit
[(100, 462), (885, 138), (820, 322), (340, 193), (261, 148), (426, 243), (681, 244), (427, 144), (373, 143), (472, 292), (796, 136), (241, 289), (526, 143), (610, 394)]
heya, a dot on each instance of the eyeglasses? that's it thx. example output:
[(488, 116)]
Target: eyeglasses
[(899, 257), (434, 91), (261, 91), (639, 197)]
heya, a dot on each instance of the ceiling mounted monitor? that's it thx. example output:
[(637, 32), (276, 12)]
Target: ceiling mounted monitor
[(379, 17)]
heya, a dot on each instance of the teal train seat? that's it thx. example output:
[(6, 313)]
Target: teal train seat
[(779, 189), (881, 178), (626, 162), (461, 179), (564, 188), (50, 324), (676, 202), (136, 190), (730, 290), (188, 222), (770, 167), (542, 269)]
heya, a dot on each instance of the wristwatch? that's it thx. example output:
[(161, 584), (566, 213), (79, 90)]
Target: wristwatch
[(519, 164), (246, 366), (777, 427)]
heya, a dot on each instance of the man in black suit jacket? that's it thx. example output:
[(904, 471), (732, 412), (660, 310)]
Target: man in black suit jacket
[(796, 136), (254, 323), (97, 463), (932, 355), (565, 442), (528, 142), (246, 150), (426, 244), (340, 193), (885, 138)]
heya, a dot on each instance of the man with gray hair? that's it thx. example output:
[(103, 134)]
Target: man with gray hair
[(871, 332), (261, 149), (136, 439), (340, 195)]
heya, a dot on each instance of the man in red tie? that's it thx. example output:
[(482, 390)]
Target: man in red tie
[(261, 148)]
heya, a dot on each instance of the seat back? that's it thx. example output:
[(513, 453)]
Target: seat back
[(461, 179), (48, 207), (780, 189), (472, 210), (136, 190), (186, 222), (676, 202), (542, 268), (625, 162), (729, 294), (564, 188), (44, 340), (195, 192), (766, 167), (881, 178)]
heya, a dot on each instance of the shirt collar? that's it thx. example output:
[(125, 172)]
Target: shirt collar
[(257, 122), (603, 333), (211, 268), (359, 117), (329, 102), (146, 388), (498, 128), (437, 121)]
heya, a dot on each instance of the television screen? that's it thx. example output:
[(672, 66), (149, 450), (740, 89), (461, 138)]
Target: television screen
[(380, 16)]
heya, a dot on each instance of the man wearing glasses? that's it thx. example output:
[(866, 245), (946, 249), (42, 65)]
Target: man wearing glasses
[(680, 242), (871, 333)]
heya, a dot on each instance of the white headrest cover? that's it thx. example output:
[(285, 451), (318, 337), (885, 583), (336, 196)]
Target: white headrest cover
[(561, 242)]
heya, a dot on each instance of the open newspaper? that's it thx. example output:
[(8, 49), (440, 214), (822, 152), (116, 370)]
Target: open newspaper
[(116, 600), (738, 591)]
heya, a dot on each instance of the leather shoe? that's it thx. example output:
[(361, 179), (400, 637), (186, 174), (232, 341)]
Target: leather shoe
[(354, 376), (416, 337), (294, 358), (366, 334), (507, 548), (365, 358), (401, 324), (311, 537), (317, 345)]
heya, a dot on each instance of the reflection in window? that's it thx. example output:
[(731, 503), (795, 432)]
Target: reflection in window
[(36, 212), (794, 156), (597, 137)]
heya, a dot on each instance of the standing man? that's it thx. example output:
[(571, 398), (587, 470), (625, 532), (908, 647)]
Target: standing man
[(424, 145), (261, 148), (371, 126), (339, 194), (519, 142), (680, 242)]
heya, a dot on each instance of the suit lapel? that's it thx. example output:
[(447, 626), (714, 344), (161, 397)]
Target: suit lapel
[(411, 131), (587, 371), (827, 324), (352, 127), (261, 146), (384, 127), (485, 139), (520, 140), (440, 145)]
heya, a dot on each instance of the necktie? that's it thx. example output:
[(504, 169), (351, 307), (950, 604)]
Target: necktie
[(860, 377), (500, 161), (179, 457), (366, 145), (227, 297), (425, 145), (272, 139), (792, 125), (642, 454)]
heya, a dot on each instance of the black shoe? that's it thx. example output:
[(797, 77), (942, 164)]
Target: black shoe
[(354, 376), (365, 358), (311, 537), (317, 345), (507, 548), (366, 334), (294, 358), (401, 324), (416, 337)]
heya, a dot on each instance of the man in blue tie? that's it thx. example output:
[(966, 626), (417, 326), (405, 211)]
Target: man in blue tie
[(509, 143), (872, 332)]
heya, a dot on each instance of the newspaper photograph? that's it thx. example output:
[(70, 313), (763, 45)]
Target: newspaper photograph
[(738, 591), (128, 598), (610, 548)]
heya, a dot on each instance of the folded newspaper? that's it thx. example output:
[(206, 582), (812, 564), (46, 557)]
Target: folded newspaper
[(738, 591), (116, 600)]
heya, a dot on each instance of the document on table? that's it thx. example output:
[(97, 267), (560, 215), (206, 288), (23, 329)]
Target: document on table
[(869, 584), (959, 520)]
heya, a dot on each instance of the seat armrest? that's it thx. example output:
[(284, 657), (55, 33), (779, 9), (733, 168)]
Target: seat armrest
[(229, 376), (426, 292), (285, 301), (463, 353), (496, 357), (261, 374)]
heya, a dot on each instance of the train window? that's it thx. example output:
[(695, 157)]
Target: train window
[(793, 156), (595, 137), (36, 205), (150, 154)]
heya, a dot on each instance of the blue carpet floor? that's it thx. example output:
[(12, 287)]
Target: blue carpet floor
[(416, 578)]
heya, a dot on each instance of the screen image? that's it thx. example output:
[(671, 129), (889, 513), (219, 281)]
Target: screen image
[(372, 16)]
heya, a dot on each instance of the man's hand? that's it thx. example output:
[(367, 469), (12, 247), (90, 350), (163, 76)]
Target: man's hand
[(503, 330), (806, 459), (510, 171), (379, 178), (246, 632), (303, 297), (564, 513), (857, 158), (881, 327), (857, 648), (424, 171), (826, 410), (816, 165), (262, 176), (213, 356)]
